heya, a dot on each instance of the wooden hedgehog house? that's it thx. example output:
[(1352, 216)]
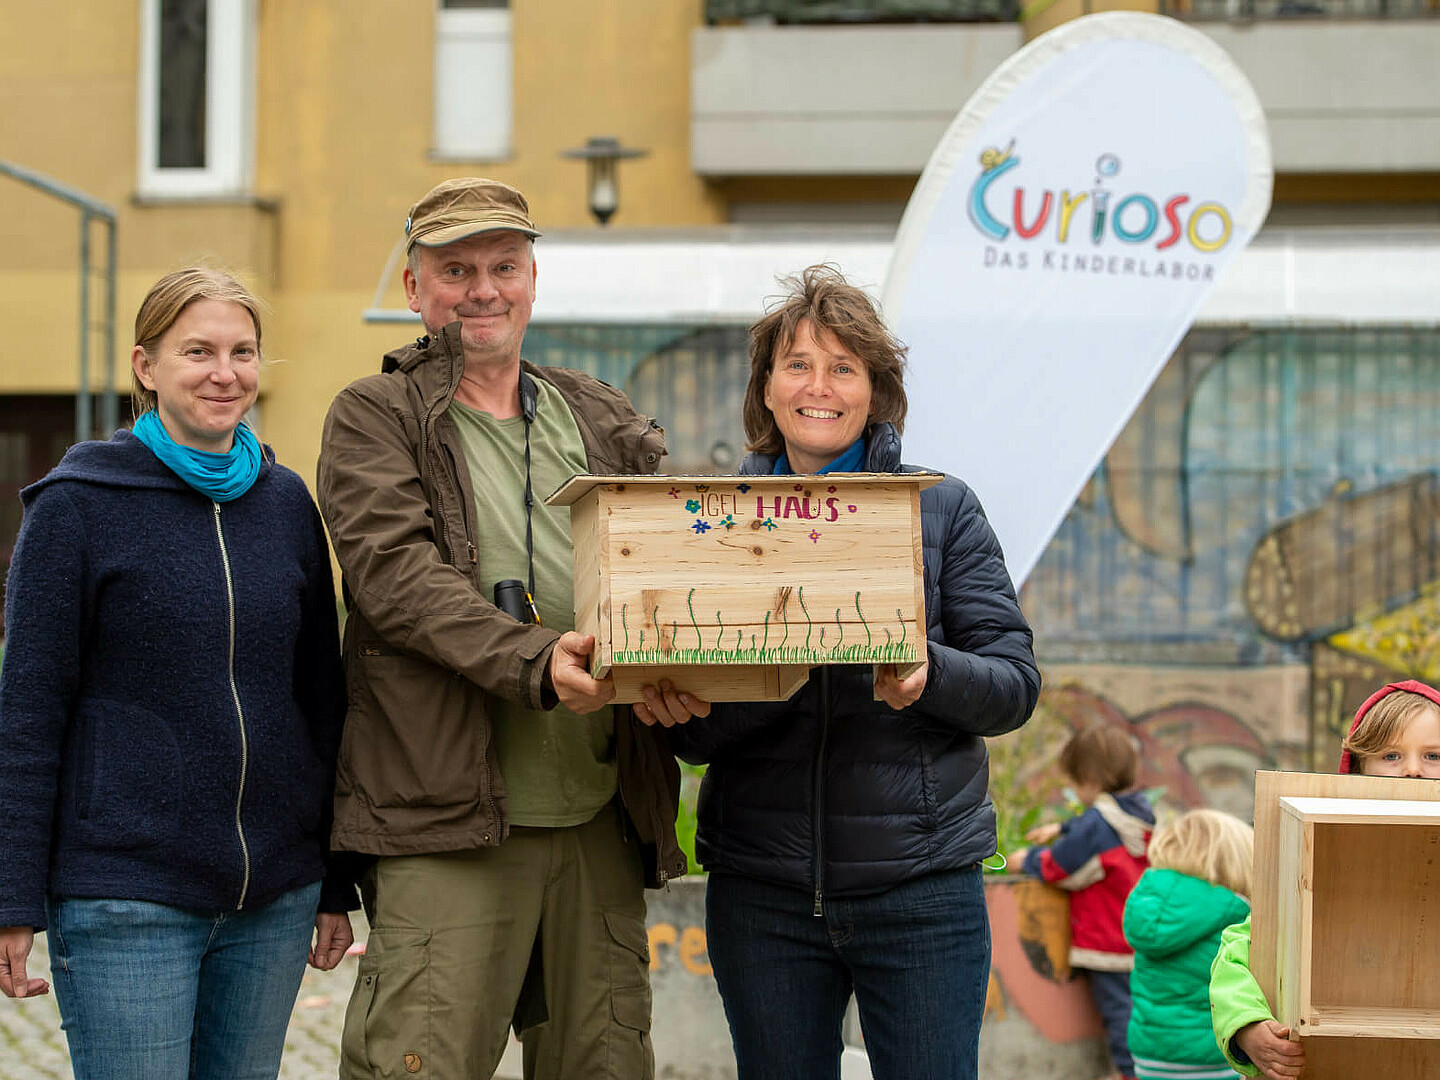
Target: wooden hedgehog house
[(733, 587)]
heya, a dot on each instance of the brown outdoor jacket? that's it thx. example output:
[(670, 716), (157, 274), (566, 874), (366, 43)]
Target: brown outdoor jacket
[(423, 647)]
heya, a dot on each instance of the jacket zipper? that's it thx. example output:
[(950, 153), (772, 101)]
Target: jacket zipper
[(428, 442), (239, 713), (470, 550), (440, 514), (819, 822)]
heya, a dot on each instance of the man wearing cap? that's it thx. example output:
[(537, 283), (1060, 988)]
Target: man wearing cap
[(512, 814)]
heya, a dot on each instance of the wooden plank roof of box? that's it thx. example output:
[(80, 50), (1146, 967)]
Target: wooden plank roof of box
[(1345, 929), (733, 587), (1362, 811)]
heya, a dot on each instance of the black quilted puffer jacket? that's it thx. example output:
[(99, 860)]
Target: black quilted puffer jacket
[(835, 792)]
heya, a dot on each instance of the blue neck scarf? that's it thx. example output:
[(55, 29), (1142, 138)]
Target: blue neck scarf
[(222, 477), (852, 460)]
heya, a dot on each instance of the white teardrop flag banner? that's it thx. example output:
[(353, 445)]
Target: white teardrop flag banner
[(1058, 246)]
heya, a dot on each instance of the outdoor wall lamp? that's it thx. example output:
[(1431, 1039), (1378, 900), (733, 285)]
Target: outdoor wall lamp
[(601, 152)]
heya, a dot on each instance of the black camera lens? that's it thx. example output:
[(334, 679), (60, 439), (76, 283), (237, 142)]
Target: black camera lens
[(510, 598)]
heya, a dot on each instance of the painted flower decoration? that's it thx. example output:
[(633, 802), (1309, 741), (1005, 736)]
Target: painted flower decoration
[(701, 526), (831, 489), (674, 493), (799, 487), (728, 521), (852, 508), (692, 506), (742, 488), (702, 487), (769, 524), (814, 536)]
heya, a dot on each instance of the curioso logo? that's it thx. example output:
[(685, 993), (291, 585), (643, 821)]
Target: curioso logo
[(1068, 216), (1164, 237)]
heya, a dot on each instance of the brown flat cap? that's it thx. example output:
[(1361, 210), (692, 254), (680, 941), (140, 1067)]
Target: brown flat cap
[(463, 207)]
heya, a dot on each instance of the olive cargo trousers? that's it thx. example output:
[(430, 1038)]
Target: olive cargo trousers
[(546, 931)]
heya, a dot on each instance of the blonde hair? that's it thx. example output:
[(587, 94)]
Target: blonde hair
[(1381, 727), (1209, 845), (821, 294), (1102, 754), (165, 302)]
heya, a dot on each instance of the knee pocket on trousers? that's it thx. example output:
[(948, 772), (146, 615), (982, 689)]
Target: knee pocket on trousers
[(630, 1007), (387, 1025), (629, 947)]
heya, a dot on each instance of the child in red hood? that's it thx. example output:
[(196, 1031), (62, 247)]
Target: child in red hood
[(1396, 732)]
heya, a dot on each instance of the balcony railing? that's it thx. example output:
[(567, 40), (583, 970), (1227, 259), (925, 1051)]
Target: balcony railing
[(909, 11), (1279, 10), (863, 11)]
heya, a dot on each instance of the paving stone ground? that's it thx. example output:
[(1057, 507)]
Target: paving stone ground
[(32, 1046)]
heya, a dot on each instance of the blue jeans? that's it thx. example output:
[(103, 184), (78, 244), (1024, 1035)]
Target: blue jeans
[(917, 958), (152, 992)]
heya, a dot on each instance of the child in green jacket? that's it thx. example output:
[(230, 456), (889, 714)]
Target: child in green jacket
[(1197, 885), (1396, 732)]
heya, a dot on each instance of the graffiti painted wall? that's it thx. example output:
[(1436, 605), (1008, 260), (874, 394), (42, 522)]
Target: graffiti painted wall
[(1260, 550)]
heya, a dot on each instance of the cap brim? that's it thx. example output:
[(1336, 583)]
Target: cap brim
[(448, 234)]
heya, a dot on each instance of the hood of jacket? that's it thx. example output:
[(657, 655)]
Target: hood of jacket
[(1168, 911), (1130, 814), (434, 362), (1347, 762), (122, 461)]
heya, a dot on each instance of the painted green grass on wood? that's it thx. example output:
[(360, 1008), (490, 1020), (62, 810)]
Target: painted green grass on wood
[(849, 654), (839, 653)]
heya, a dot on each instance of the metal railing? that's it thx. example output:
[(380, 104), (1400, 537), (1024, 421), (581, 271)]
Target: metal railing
[(862, 11), (91, 210), (900, 11), (1281, 10)]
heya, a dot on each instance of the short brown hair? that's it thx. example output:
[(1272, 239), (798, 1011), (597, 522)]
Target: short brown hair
[(1209, 845), (1101, 754), (1381, 727), (822, 295), (170, 296)]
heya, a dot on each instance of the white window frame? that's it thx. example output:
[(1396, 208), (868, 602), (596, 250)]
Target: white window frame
[(458, 134), (229, 104)]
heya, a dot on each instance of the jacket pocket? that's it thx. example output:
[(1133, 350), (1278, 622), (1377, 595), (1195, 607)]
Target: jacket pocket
[(387, 1031), (124, 798), (649, 443), (416, 735)]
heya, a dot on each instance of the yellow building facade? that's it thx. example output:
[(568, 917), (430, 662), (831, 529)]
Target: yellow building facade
[(337, 137), (324, 121)]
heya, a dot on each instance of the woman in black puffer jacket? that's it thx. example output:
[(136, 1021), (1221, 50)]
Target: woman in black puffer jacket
[(843, 829)]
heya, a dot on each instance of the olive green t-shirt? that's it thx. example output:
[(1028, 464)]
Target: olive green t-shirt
[(558, 767)]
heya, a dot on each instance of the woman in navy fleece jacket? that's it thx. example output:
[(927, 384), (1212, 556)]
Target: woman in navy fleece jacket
[(170, 711)]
